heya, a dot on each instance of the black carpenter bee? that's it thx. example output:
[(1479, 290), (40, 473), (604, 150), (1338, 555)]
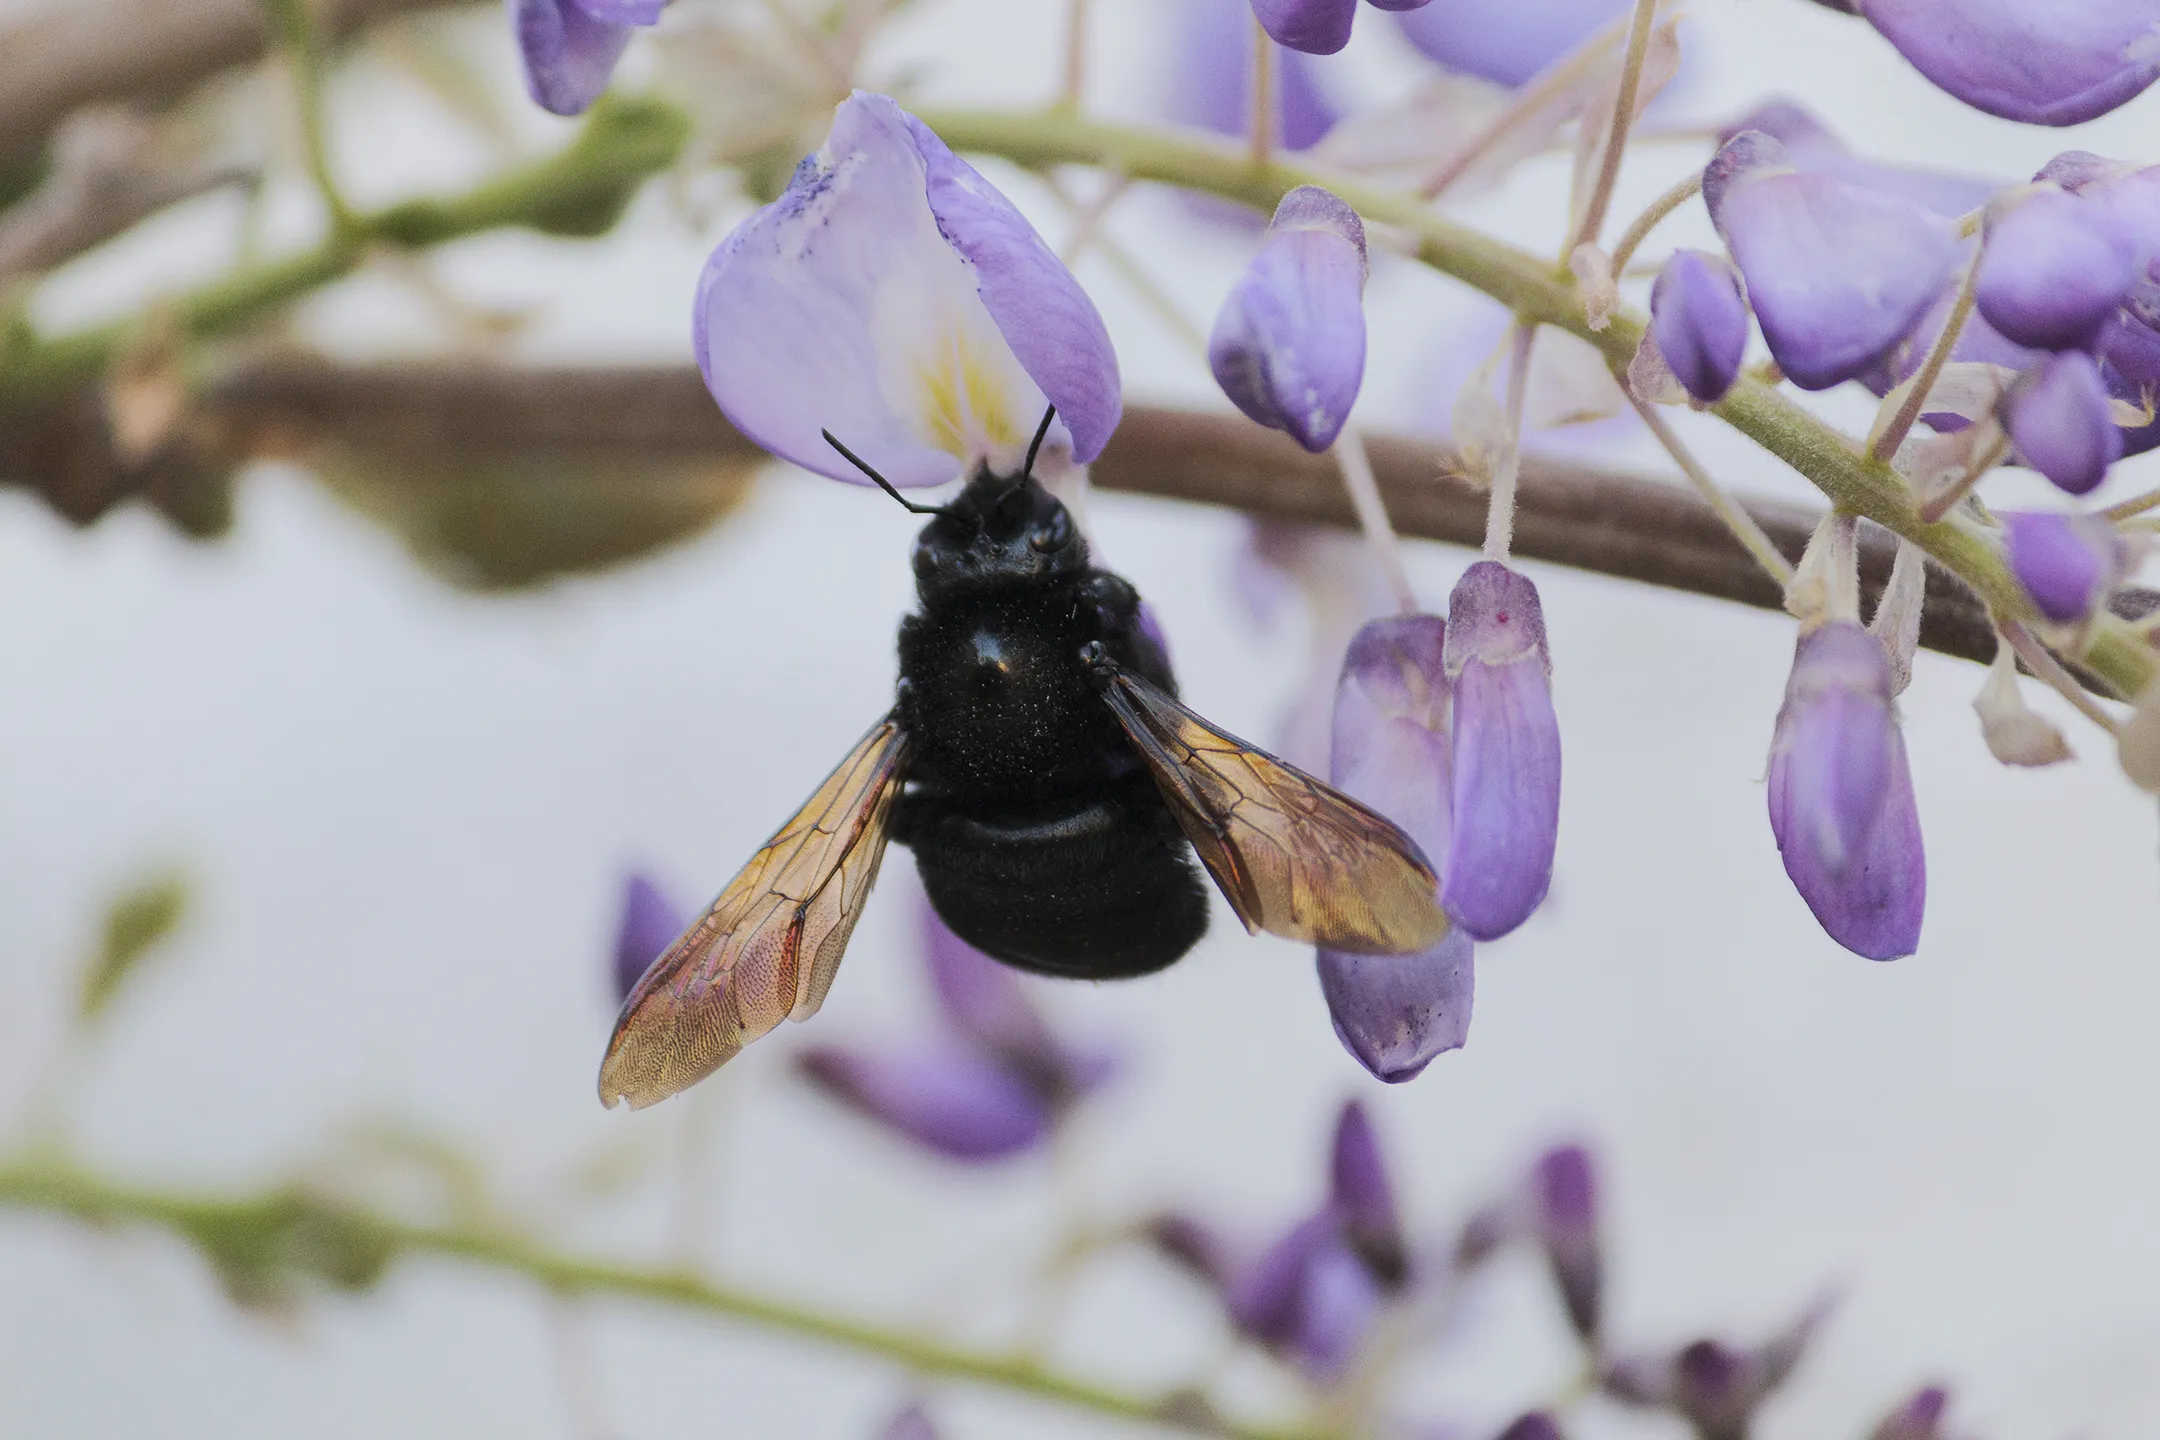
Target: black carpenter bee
[(1054, 791)]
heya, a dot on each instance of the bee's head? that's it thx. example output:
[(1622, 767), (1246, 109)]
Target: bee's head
[(1004, 531)]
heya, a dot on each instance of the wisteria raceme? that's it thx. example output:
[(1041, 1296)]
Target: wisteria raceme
[(894, 297), (1505, 774), (1841, 797), (1289, 343), (2061, 63), (569, 47), (1838, 274), (1396, 1013)]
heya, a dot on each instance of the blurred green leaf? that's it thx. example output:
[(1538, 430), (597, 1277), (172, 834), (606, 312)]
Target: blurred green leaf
[(135, 925), (495, 522)]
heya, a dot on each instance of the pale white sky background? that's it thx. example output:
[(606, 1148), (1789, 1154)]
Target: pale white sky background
[(408, 809)]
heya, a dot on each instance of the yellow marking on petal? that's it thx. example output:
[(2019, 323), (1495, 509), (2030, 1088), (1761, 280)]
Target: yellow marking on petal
[(964, 404)]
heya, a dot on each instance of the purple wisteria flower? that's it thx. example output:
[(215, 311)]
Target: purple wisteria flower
[(569, 47), (2060, 415), (1289, 343), (2059, 63), (1811, 145), (1311, 1297), (1564, 1207), (994, 1085), (1396, 1013), (1505, 772), (1505, 41), (1841, 797), (893, 296), (910, 1423), (1317, 27), (1212, 80), (1918, 1418), (647, 926), (1699, 320), (2056, 269), (1838, 274), (2067, 563), (1715, 1386), (1536, 1425)]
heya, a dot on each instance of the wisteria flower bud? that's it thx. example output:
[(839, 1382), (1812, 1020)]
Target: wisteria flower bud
[(647, 926), (1699, 319), (1289, 343), (1506, 762), (1395, 1013), (2067, 563), (1841, 798), (1563, 1187), (568, 48), (1919, 1418), (1317, 27), (1838, 274), (1505, 41), (2060, 415), (2061, 63), (894, 297), (1364, 1199), (2056, 269), (2016, 734)]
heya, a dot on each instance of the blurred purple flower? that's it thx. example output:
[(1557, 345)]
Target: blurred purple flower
[(2059, 414), (1918, 1418), (1213, 78), (568, 48), (647, 926), (1311, 1296), (1565, 1208), (1838, 274), (2067, 563), (1505, 41), (1317, 27), (1841, 798), (1289, 343), (2056, 269), (911, 1423), (1536, 1425), (1715, 1387), (1395, 1013), (1699, 319), (894, 296), (2059, 63), (1505, 770), (995, 1085)]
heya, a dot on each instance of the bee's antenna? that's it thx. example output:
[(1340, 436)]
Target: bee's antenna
[(1035, 448), (886, 485)]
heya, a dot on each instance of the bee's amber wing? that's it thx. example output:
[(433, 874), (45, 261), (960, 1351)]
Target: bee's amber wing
[(1293, 856), (766, 950)]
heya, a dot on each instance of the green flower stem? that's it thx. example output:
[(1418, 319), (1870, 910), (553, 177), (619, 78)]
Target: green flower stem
[(1539, 291), (296, 32), (579, 191), (262, 1244)]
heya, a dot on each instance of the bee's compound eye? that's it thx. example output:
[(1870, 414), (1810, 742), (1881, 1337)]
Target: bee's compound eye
[(1054, 533)]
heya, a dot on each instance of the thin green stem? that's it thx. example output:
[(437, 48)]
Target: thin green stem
[(2135, 506), (1536, 290), (296, 31), (1507, 475), (1263, 94), (1736, 519), (1537, 95), (1380, 537), (290, 1234), (1076, 50), (1623, 118), (1631, 239)]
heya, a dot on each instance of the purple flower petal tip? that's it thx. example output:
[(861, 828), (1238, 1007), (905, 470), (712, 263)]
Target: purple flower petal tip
[(567, 52), (1699, 318), (1564, 1187), (1289, 344), (1317, 27), (1838, 274), (894, 297), (2067, 563), (1535, 1426), (2056, 270), (912, 1423), (1919, 1418), (2058, 412), (953, 1102), (647, 926), (1396, 1014), (1841, 797), (2061, 63), (1505, 774), (1505, 41)]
